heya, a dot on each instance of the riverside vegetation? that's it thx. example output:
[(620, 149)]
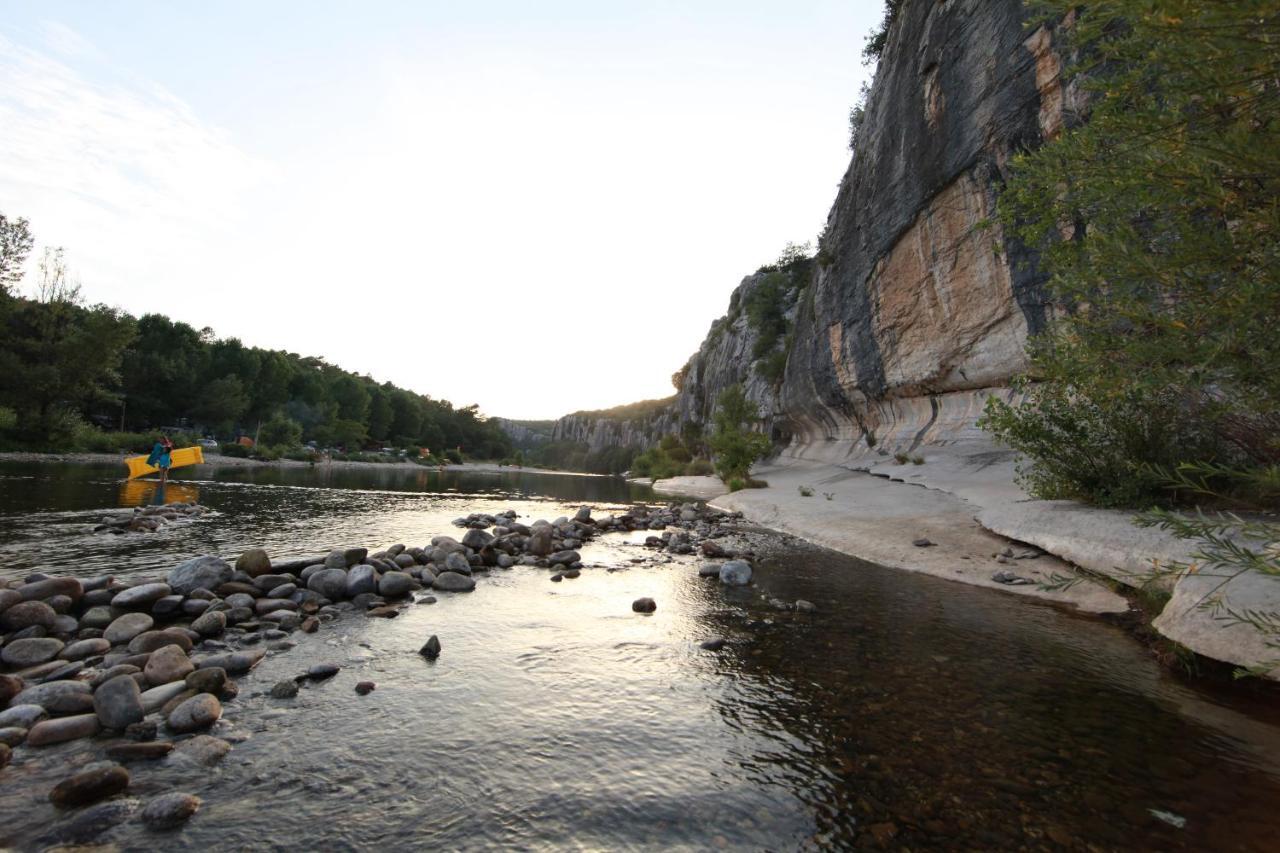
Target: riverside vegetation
[(1157, 383), (67, 367), (144, 670)]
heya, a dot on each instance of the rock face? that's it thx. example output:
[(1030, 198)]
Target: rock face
[(908, 316)]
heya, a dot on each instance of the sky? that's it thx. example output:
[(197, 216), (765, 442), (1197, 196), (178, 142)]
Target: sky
[(536, 207)]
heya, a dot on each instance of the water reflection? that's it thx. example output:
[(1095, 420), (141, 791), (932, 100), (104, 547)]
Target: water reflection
[(153, 492)]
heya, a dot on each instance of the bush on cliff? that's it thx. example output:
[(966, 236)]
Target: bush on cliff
[(1156, 223), (736, 446)]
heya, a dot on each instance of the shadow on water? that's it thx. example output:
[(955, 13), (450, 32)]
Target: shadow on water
[(906, 712)]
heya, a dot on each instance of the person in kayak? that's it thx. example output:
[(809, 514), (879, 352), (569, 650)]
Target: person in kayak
[(160, 457)]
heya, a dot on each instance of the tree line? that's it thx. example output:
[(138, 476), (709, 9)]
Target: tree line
[(69, 369)]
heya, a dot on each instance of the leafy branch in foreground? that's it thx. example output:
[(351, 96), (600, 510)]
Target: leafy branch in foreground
[(1154, 217)]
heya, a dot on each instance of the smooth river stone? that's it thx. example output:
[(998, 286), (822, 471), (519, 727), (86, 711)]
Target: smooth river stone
[(10, 686), (22, 716), (62, 729), (47, 694), (166, 664), (253, 562), (331, 583), (210, 624), (127, 627), (207, 572), (453, 582), (155, 698), (97, 617), (118, 703), (235, 663), (170, 810), (25, 614), (41, 590), (202, 749), (143, 595), (31, 652), (139, 751), (395, 585), (85, 649), (198, 712), (89, 787), (12, 736), (8, 598), (149, 641)]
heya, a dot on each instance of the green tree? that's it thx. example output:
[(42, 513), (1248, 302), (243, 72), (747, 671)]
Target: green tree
[(221, 403), (1156, 223), (58, 357), (15, 245), (736, 446), (280, 432)]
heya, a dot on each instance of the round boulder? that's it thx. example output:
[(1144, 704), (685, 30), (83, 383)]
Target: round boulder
[(118, 703), (26, 614), (89, 787), (128, 626), (331, 583), (143, 595), (169, 810), (210, 623), (85, 649), (21, 654), (207, 572), (395, 585), (453, 582), (198, 712), (166, 664), (253, 562)]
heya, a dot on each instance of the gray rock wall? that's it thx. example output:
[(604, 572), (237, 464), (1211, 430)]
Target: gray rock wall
[(917, 305)]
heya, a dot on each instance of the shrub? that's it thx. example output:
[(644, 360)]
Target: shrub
[(917, 460), (737, 484), (805, 491), (280, 432), (1161, 257), (736, 447), (772, 366), (699, 468), (266, 454), (453, 455), (901, 458), (235, 449)]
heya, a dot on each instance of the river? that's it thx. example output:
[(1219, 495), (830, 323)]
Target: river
[(906, 712)]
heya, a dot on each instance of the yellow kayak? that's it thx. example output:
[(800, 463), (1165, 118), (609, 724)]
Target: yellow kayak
[(180, 458)]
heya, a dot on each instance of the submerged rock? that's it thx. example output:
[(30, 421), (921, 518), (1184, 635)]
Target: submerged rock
[(735, 573), (90, 787), (170, 810), (644, 605)]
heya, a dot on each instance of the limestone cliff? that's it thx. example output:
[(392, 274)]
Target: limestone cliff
[(916, 305)]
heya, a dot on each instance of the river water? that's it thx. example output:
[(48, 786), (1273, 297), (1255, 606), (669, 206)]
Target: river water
[(907, 712)]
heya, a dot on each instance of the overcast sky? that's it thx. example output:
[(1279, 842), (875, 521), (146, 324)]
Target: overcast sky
[(537, 207)]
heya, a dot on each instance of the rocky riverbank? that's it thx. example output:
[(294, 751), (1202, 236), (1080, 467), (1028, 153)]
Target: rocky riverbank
[(147, 671), (959, 514)]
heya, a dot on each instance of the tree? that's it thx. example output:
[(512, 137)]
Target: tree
[(221, 403), (58, 357), (736, 446), (15, 245), (1156, 224), (280, 432)]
